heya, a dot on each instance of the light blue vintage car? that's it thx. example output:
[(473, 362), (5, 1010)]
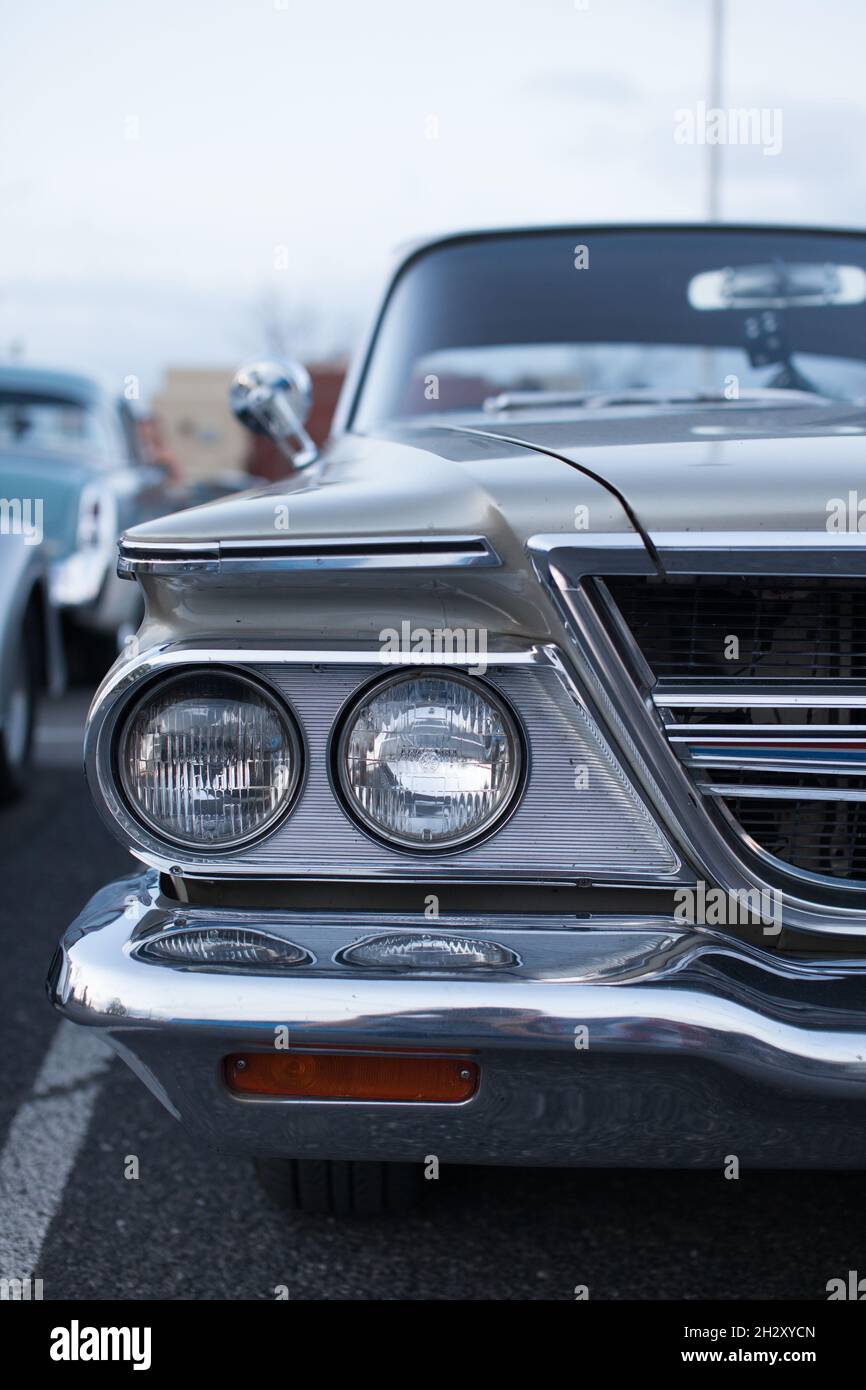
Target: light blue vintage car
[(72, 476)]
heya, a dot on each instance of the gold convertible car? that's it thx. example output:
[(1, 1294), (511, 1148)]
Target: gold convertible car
[(495, 781)]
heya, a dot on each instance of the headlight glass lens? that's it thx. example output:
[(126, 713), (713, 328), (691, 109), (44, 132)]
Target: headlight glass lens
[(209, 760), (430, 761)]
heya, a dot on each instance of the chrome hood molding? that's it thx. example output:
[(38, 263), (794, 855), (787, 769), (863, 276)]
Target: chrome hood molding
[(268, 556)]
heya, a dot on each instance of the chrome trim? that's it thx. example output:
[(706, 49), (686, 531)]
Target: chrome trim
[(304, 553), (812, 751), (692, 743), (802, 553), (740, 694), (731, 791), (550, 946), (580, 553), (693, 1042), (800, 767), (703, 733)]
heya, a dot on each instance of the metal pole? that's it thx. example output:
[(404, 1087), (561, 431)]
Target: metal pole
[(714, 152)]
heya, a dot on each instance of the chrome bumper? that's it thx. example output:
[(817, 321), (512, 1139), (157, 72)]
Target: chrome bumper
[(695, 1048)]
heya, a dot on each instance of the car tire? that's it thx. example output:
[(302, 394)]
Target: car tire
[(330, 1187), (19, 721), (89, 654)]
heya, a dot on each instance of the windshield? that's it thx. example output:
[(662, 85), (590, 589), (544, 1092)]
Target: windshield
[(50, 424), (602, 314)]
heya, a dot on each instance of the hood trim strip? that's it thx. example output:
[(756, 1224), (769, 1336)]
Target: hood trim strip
[(307, 553)]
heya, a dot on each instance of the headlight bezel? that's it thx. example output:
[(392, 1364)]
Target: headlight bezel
[(179, 676), (511, 722)]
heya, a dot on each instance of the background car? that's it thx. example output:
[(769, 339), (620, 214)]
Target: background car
[(71, 461)]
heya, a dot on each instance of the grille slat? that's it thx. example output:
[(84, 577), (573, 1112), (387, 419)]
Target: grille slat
[(826, 837)]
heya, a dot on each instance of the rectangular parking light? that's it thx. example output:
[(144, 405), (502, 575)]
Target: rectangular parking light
[(367, 1075)]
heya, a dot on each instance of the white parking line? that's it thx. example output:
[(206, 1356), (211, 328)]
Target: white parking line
[(43, 1143)]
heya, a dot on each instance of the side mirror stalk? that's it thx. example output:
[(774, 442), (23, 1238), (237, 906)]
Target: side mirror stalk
[(274, 398)]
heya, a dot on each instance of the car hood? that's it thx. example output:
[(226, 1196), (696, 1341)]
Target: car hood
[(428, 481), (657, 469), (733, 468), (53, 485)]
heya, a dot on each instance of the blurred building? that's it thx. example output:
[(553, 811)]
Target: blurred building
[(195, 425)]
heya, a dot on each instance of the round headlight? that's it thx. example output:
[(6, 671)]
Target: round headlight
[(429, 761), (209, 760)]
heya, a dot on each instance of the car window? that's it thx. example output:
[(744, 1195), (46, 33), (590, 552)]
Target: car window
[(54, 424), (466, 377)]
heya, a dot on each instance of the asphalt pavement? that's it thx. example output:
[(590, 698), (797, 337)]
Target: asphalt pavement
[(194, 1225)]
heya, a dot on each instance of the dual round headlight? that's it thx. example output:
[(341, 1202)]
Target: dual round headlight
[(209, 760), (212, 760), (429, 761)]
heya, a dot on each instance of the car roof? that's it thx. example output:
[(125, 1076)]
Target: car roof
[(50, 382), (407, 250)]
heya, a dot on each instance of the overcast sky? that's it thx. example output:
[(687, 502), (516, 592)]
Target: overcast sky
[(160, 163)]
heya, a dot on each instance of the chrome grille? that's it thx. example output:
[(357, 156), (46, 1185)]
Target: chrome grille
[(772, 728), (809, 629), (815, 823)]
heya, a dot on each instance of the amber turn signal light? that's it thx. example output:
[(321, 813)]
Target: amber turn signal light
[(351, 1076)]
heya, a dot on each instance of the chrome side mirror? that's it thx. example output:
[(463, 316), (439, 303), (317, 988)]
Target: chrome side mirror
[(274, 398)]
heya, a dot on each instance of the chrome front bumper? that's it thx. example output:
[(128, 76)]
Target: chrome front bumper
[(695, 1048)]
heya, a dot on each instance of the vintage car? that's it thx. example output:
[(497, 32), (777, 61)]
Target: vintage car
[(71, 461), (496, 781)]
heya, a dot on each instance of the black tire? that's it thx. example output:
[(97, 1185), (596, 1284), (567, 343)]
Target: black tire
[(88, 654), (16, 747), (330, 1187)]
